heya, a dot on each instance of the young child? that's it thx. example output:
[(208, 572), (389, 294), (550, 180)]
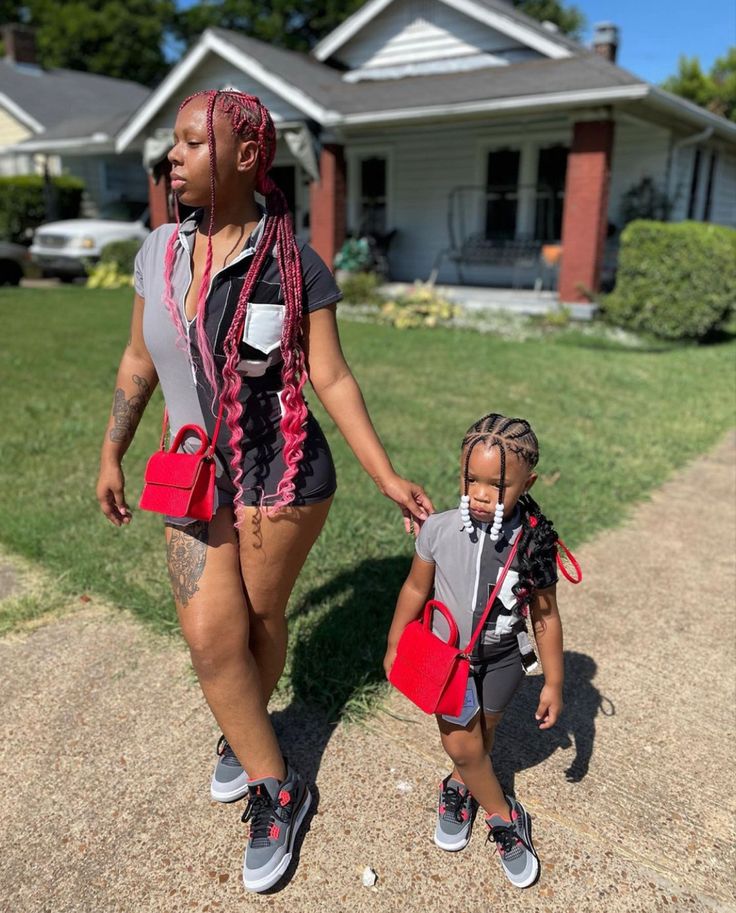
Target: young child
[(461, 553)]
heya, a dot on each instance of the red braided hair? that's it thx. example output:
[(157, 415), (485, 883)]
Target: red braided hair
[(250, 120)]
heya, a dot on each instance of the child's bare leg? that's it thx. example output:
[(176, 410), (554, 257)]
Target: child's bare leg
[(466, 747)]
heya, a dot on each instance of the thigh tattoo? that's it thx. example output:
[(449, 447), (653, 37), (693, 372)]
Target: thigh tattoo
[(186, 555)]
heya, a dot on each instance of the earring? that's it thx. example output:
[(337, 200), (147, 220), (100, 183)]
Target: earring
[(465, 513), (497, 522)]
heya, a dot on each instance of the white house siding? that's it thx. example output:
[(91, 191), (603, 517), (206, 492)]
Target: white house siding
[(426, 163), (723, 206), (107, 178), (639, 151), (216, 73), (411, 31)]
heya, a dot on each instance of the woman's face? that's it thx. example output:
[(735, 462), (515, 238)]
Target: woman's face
[(190, 158), (484, 480)]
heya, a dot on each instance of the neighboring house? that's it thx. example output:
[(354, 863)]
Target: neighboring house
[(408, 100), (64, 121)]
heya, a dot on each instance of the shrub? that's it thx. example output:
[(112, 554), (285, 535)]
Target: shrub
[(360, 288), (24, 200), (108, 275), (419, 307), (122, 254), (676, 281), (354, 255)]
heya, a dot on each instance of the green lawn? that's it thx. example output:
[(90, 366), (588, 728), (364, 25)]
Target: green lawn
[(612, 423)]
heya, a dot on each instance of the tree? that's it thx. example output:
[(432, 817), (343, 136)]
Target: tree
[(715, 91), (568, 19), (300, 26), (121, 38)]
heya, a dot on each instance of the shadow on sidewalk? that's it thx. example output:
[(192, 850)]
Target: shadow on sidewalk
[(520, 744)]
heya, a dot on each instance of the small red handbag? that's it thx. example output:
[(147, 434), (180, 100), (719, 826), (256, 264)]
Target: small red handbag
[(182, 484), (431, 672)]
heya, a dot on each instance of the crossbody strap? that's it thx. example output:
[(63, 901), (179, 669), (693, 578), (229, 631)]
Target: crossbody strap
[(492, 598), (213, 442)]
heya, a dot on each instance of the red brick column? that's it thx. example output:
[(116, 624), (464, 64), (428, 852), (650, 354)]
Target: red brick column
[(327, 203), (158, 197), (585, 217)]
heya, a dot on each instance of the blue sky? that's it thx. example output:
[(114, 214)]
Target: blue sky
[(654, 33)]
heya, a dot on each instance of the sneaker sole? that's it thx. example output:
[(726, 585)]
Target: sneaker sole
[(268, 881), (231, 796), (534, 878), (451, 847)]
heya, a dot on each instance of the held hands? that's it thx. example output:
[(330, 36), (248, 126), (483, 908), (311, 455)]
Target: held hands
[(111, 494), (550, 706), (411, 499)]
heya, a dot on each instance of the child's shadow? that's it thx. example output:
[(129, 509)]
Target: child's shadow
[(521, 744)]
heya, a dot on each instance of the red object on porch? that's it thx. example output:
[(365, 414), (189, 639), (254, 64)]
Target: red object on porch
[(158, 197), (585, 217), (327, 204)]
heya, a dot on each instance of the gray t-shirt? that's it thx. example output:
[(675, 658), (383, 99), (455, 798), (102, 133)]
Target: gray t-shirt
[(466, 571)]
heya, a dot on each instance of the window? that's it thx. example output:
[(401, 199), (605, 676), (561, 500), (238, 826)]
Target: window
[(502, 193), (709, 188), (551, 172), (372, 196), (694, 185)]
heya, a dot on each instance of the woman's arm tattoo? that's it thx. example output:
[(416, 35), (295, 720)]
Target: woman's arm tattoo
[(186, 554), (127, 413)]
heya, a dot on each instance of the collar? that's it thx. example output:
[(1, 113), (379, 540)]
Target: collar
[(189, 226)]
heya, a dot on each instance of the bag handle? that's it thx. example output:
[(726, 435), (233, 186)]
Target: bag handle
[(210, 452), (434, 605), (492, 598)]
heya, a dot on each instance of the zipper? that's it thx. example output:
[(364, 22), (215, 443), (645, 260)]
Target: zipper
[(481, 540)]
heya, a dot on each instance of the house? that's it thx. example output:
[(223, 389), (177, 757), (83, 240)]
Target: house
[(413, 113), (63, 121)]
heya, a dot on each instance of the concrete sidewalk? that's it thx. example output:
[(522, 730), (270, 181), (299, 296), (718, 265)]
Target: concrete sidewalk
[(107, 747)]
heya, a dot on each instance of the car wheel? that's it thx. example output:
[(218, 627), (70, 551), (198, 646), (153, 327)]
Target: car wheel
[(10, 272), (67, 279)]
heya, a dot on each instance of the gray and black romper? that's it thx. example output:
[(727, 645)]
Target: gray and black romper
[(178, 364), (466, 571)]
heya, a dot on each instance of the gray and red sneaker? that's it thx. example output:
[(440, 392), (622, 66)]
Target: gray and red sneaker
[(455, 813), (276, 811), (513, 839), (229, 780)]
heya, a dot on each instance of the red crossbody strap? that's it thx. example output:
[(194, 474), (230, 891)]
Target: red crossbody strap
[(213, 442), (492, 598)]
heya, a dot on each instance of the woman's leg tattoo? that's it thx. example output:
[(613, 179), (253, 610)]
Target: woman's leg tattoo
[(186, 554)]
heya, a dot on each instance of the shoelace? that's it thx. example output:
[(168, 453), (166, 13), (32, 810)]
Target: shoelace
[(261, 812), (506, 838), (453, 800), (227, 755)]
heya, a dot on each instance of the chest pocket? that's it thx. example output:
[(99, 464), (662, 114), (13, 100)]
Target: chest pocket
[(262, 332)]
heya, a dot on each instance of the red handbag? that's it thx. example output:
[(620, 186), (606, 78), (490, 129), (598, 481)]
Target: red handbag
[(182, 484), (431, 672)]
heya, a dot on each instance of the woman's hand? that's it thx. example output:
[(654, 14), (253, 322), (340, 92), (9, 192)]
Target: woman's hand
[(412, 500), (388, 659), (550, 706), (111, 494)]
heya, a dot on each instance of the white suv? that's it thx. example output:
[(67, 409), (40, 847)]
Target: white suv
[(64, 248)]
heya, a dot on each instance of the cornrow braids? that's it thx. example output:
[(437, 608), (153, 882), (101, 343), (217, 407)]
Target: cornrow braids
[(495, 430), (249, 119), (537, 551)]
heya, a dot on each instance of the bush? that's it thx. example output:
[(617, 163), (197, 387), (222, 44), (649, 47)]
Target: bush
[(122, 254), (676, 281), (360, 288), (108, 275), (354, 255), (420, 306), (24, 199)]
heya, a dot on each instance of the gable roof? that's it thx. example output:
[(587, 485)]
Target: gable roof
[(496, 14), (43, 99)]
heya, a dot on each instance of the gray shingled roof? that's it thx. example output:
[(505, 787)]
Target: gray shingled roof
[(56, 98), (536, 77)]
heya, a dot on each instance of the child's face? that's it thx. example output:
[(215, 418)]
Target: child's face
[(484, 478)]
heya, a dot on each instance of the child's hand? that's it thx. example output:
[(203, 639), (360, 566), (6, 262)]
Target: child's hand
[(550, 706), (388, 659)]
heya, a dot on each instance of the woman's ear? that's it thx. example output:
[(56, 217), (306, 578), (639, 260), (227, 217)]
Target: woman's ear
[(248, 156)]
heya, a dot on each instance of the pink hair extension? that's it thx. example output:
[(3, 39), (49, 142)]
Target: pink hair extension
[(250, 120)]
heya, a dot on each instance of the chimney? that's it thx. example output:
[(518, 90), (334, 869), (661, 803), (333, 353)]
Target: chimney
[(20, 43), (605, 40)]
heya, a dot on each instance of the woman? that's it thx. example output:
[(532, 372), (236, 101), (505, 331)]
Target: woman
[(231, 312)]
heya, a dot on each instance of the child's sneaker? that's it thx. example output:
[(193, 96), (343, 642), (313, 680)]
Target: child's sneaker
[(229, 780), (513, 841), (455, 813), (276, 812)]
